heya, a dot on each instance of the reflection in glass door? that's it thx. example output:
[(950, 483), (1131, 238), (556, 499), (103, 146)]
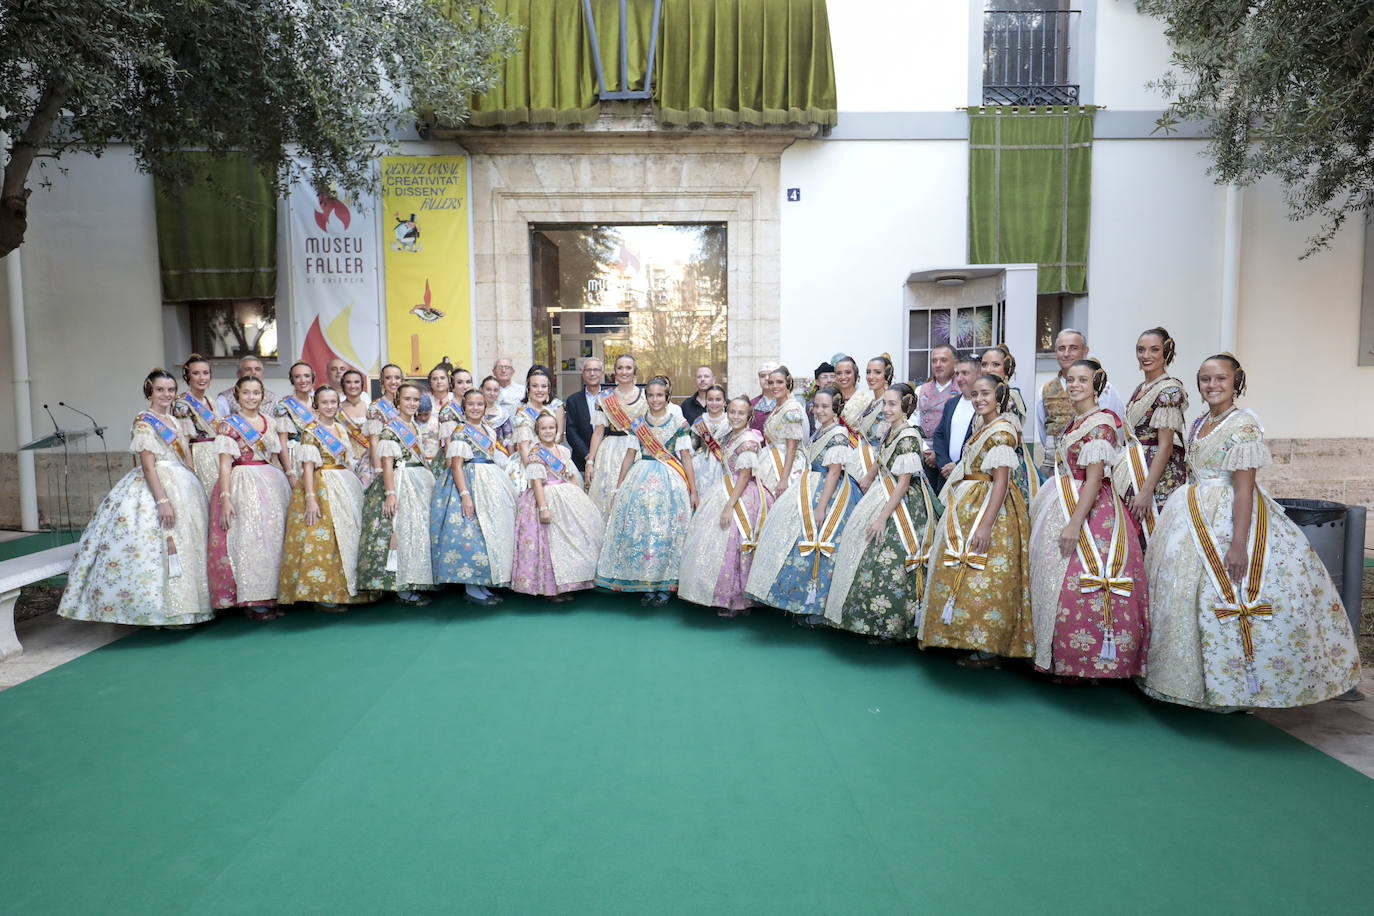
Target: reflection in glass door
[(654, 291), (969, 329)]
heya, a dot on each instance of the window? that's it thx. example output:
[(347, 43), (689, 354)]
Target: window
[(1026, 53), (969, 329), (1053, 313), (234, 328)]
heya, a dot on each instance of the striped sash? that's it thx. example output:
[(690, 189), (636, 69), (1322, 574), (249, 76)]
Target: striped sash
[(645, 434), (1095, 576), (704, 433), (819, 541), (1247, 608), (1134, 457), (957, 553), (748, 533)]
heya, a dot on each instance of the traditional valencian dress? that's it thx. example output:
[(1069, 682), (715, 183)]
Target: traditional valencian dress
[(787, 421), (358, 448), (707, 462), (199, 425), (616, 416), (292, 417), (522, 431), (794, 561), (560, 556), (879, 585), (1278, 638), (245, 561), (716, 562), (478, 550), (647, 524), (976, 601), (130, 570), (393, 553), (1155, 410), (320, 561), (1026, 476), (1090, 609)]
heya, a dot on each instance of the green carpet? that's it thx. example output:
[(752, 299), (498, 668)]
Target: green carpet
[(613, 759)]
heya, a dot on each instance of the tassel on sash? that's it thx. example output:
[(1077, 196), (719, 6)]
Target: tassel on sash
[(819, 542), (1094, 578), (961, 557)]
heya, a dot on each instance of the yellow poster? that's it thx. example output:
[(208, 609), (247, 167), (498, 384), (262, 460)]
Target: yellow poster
[(425, 224)]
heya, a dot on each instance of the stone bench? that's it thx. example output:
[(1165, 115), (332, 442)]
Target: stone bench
[(22, 571)]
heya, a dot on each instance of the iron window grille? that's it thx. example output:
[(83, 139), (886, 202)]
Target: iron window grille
[(1026, 57)]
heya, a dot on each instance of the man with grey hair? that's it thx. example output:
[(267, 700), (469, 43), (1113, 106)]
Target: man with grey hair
[(764, 403), (578, 410), (1053, 410), (226, 403), (512, 393)]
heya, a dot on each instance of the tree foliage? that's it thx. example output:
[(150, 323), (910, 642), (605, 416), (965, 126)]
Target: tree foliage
[(332, 79), (1289, 88)]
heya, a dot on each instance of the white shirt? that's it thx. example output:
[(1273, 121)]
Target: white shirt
[(1107, 400), (958, 427), (511, 396)]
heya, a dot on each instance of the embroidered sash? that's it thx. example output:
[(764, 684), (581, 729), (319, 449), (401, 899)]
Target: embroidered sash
[(531, 412), (554, 463), (325, 436), (248, 433), (300, 413), (485, 444), (819, 541), (645, 433), (956, 553), (204, 414), (1134, 457), (917, 548), (862, 445), (611, 407), (1096, 575), (407, 435), (355, 432), (165, 432), (1244, 609), (386, 409), (703, 431), (1144, 398), (748, 534)]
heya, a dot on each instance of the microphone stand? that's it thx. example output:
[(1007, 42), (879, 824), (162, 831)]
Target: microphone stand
[(100, 434), (66, 465)]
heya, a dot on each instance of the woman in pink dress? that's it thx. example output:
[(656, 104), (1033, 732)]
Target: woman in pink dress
[(1089, 599)]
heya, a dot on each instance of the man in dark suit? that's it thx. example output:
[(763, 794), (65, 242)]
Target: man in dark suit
[(955, 422), (577, 411)]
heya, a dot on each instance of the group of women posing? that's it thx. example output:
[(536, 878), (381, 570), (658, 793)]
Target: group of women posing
[(1150, 554)]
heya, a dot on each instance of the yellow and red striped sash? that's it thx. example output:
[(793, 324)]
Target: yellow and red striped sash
[(748, 532), (957, 553), (1244, 609), (819, 541), (1095, 576), (649, 442)]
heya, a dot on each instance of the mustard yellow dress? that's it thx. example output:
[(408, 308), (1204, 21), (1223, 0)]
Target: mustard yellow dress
[(981, 602)]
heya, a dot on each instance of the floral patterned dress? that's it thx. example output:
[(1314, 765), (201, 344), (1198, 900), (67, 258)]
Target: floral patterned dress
[(123, 571), (794, 561), (245, 561), (408, 529), (975, 602), (198, 425), (879, 585), (716, 561), (787, 421), (864, 415), (1074, 607), (478, 550), (647, 524), (1281, 637), (320, 561), (705, 465), (359, 458), (614, 443), (1155, 410), (560, 556)]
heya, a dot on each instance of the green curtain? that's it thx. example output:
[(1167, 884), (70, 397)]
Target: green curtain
[(718, 62), (757, 62), (217, 234), (1030, 191)]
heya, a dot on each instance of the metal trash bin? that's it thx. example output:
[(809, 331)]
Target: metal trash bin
[(1324, 523)]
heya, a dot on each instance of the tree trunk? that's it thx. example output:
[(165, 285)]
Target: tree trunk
[(13, 223), (14, 193)]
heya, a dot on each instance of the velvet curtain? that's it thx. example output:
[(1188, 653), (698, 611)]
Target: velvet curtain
[(1030, 191), (217, 235)]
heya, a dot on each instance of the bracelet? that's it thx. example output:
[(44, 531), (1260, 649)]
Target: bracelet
[(161, 502), (309, 495), (463, 493), (225, 496), (390, 492)]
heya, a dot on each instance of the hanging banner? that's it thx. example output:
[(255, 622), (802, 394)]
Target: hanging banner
[(425, 223), (335, 297)]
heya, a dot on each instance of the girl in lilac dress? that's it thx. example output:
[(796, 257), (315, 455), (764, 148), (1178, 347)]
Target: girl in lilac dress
[(723, 533), (557, 526)]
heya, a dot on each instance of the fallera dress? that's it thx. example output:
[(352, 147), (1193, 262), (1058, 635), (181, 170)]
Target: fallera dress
[(1090, 609), (975, 601), (616, 417), (130, 570), (707, 436), (716, 561), (787, 421), (1278, 638), (879, 585), (245, 561), (560, 556), (647, 523), (478, 550), (1154, 411), (863, 413), (292, 415), (320, 561), (199, 426), (358, 448), (794, 561), (409, 569)]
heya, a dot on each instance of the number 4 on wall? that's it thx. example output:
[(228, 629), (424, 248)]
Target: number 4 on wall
[(793, 195)]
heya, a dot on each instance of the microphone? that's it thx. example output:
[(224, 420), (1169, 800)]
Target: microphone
[(55, 427), (99, 430)]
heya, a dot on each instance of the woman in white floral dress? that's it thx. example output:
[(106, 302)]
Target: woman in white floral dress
[(142, 557), (783, 434), (1242, 611)]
